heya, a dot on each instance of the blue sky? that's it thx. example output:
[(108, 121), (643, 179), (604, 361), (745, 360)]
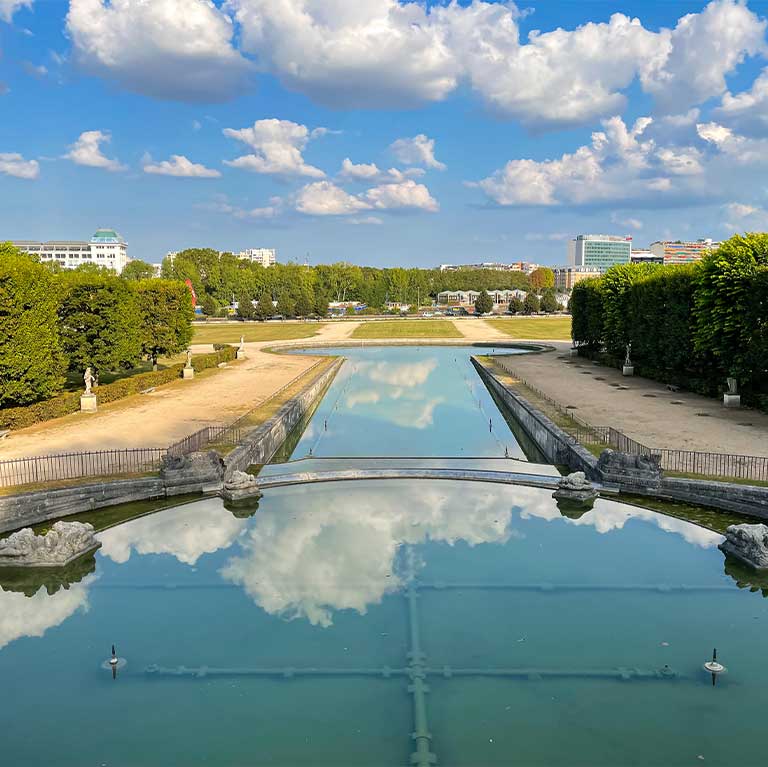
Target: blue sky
[(496, 130)]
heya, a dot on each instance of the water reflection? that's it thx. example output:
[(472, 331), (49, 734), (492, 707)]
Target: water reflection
[(185, 533), (747, 577)]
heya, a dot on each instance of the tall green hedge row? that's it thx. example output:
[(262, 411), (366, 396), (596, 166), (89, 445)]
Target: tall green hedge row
[(693, 326), (65, 404)]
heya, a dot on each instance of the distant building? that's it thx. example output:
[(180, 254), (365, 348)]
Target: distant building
[(681, 252), (645, 257), (468, 297), (264, 256), (599, 251), (516, 266), (106, 248), (567, 276)]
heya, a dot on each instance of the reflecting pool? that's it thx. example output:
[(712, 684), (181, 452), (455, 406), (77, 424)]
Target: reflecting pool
[(332, 622)]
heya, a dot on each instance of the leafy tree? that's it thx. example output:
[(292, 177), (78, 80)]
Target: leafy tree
[(531, 304), (99, 325), (210, 305), (165, 313), (515, 305), (285, 305), (245, 308), (587, 313), (138, 270), (549, 301), (32, 362), (264, 307), (542, 278), (484, 303), (304, 305), (321, 305)]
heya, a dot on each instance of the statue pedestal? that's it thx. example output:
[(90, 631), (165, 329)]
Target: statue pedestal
[(88, 403), (240, 354), (573, 352), (187, 373), (628, 370), (732, 400)]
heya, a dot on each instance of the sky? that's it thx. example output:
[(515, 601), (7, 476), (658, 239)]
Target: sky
[(382, 132)]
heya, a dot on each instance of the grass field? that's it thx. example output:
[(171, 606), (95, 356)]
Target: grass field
[(407, 329), (254, 331), (539, 329)]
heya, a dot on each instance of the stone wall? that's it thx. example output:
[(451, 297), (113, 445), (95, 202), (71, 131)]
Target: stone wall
[(191, 477), (729, 496), (262, 443), (557, 446)]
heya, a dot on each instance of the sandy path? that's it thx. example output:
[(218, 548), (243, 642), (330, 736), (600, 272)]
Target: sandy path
[(646, 411)]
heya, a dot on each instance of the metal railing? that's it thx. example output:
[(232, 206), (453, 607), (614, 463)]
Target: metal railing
[(131, 461), (725, 465), (64, 466)]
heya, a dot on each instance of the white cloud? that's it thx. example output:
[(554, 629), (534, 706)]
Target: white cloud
[(418, 150), (323, 198), (629, 223), (367, 220), (740, 210), (747, 112), (222, 205), (87, 151), (741, 217), (179, 166), (371, 173), (701, 50), (739, 150), (9, 7), (278, 146), (13, 164), (551, 236), (402, 195), (168, 49)]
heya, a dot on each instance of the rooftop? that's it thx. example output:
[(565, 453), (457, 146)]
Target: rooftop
[(107, 235)]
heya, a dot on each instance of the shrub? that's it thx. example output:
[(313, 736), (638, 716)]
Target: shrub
[(587, 314)]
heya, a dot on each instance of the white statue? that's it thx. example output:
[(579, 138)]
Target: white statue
[(89, 379), (189, 358), (627, 360)]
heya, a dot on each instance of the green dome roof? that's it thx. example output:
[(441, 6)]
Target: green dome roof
[(106, 235)]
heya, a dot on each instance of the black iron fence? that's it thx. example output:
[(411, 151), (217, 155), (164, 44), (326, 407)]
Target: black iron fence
[(99, 463), (693, 462)]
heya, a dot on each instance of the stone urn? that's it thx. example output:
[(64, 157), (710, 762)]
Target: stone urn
[(575, 493), (241, 487), (748, 544)]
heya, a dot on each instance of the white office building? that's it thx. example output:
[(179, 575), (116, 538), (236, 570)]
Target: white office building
[(264, 256), (599, 251), (106, 248)]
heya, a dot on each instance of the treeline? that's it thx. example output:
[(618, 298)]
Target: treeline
[(56, 322), (693, 326), (303, 290)]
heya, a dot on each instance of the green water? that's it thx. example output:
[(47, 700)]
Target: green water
[(322, 577)]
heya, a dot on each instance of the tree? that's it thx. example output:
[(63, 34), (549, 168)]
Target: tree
[(549, 301), (165, 312), (531, 304), (285, 305), (209, 305), (515, 305), (304, 305), (484, 303), (98, 322), (542, 278), (245, 308), (321, 305), (264, 307), (138, 270), (32, 362)]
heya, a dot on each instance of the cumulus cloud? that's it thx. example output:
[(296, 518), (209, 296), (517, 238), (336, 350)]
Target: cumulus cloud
[(371, 173), (627, 164), (168, 49), (418, 150), (747, 111), (222, 205), (367, 220), (701, 50), (324, 198), (13, 164), (87, 151), (278, 147), (179, 166), (9, 7)]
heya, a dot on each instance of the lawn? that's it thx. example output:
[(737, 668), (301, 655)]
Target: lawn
[(407, 329), (254, 331), (535, 328)]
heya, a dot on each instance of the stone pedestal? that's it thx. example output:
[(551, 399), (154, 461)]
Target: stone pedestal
[(187, 373), (628, 370), (732, 400), (573, 352), (240, 354), (88, 403)]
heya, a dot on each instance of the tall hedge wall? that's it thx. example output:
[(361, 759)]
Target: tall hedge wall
[(693, 326)]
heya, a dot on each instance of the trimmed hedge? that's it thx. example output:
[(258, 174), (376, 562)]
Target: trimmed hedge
[(693, 326), (65, 404)]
